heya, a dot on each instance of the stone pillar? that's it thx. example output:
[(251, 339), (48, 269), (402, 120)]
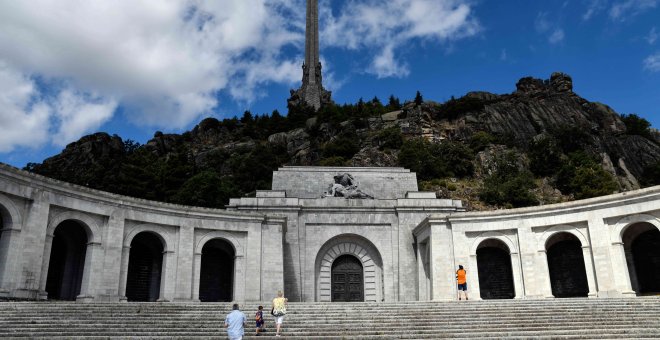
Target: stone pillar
[(48, 245), (197, 272), (422, 288), (589, 269), (123, 273), (632, 271), (517, 276), (620, 267), (10, 250), (604, 257), (32, 269), (474, 289), (185, 265), (239, 278), (442, 261), (167, 277), (545, 271), (89, 279), (271, 265)]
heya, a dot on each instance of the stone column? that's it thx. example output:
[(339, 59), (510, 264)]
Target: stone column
[(517, 276), (620, 267), (197, 271), (545, 271), (589, 269), (632, 271), (123, 273), (167, 277), (239, 278), (442, 261), (32, 270), (10, 250), (87, 287), (44, 267), (474, 289)]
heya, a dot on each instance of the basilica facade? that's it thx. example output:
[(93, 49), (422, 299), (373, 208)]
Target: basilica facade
[(321, 234)]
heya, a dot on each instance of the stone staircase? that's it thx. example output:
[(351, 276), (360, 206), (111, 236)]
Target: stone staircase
[(557, 319)]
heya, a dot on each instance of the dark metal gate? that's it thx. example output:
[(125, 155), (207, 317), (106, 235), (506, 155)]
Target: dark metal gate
[(347, 280)]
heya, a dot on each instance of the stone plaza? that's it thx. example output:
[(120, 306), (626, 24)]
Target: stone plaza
[(384, 240)]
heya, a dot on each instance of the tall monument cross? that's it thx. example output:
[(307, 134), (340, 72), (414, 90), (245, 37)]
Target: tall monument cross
[(311, 92)]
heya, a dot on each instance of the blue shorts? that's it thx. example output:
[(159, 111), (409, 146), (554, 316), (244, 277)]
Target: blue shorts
[(462, 286)]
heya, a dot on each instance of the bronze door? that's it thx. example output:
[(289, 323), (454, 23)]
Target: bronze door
[(347, 280)]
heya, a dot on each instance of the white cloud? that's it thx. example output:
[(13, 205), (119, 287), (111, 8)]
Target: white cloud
[(594, 7), (165, 61), (503, 55), (79, 113), (624, 10), (557, 36), (385, 26), (544, 26), (652, 63), (652, 37), (23, 123)]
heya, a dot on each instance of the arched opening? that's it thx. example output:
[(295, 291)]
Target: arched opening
[(568, 277), (144, 267), (495, 271), (67, 261), (642, 246), (347, 279), (216, 281)]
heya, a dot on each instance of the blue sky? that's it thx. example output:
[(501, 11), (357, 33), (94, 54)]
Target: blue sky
[(70, 68)]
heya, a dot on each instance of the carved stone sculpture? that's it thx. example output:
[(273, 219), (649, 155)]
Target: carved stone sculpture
[(345, 186)]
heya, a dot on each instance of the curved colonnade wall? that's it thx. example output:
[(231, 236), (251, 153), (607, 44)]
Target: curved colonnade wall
[(124, 247), (61, 241)]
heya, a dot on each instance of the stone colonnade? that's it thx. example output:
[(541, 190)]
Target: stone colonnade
[(600, 230), (32, 208)]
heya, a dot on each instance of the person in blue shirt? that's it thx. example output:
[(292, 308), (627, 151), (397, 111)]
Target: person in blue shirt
[(234, 322)]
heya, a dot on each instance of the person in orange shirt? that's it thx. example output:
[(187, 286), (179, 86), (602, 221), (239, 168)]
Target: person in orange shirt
[(462, 282)]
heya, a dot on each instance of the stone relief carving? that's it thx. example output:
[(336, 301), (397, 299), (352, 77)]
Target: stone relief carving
[(345, 186)]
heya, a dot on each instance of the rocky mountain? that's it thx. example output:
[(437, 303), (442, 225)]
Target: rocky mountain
[(541, 144)]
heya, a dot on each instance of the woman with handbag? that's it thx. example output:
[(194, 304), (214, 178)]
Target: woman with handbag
[(279, 310)]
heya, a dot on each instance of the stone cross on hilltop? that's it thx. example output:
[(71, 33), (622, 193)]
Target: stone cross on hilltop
[(311, 92)]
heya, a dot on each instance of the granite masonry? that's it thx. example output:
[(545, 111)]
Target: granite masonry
[(306, 236)]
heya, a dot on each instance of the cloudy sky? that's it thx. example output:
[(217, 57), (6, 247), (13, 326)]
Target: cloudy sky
[(74, 67)]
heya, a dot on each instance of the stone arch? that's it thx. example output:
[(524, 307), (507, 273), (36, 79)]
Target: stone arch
[(217, 271), (161, 232), (219, 234), (493, 235), (90, 226), (548, 234), (11, 217), (146, 267), (11, 221), (567, 264), (66, 262), (495, 269), (362, 249), (616, 235)]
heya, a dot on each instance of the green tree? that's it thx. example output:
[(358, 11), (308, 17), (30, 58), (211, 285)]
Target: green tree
[(545, 157), (636, 125), (509, 185), (418, 99), (206, 189), (584, 177)]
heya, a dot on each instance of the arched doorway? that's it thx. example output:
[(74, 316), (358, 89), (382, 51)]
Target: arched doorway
[(568, 277), (642, 245), (347, 279), (495, 271), (67, 261), (144, 267), (216, 282)]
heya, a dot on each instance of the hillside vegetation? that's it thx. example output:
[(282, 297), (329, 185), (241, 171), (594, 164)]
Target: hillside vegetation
[(538, 145)]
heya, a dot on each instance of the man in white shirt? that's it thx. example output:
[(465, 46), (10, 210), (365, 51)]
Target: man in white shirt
[(234, 322)]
